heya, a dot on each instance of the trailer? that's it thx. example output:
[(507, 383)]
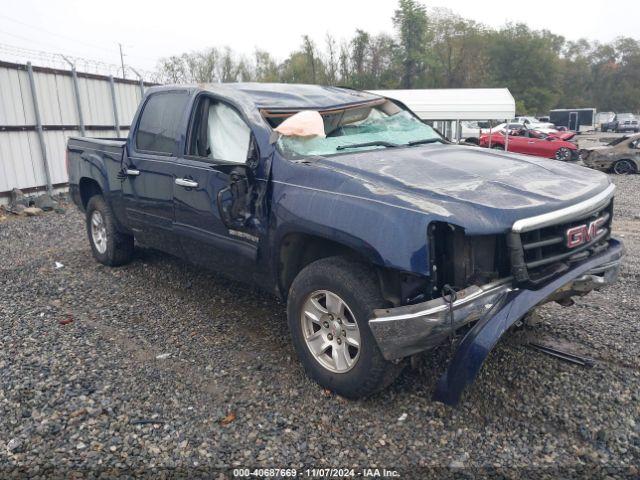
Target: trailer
[(576, 119)]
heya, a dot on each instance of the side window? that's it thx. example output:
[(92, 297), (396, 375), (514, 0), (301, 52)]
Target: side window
[(159, 128), (219, 133)]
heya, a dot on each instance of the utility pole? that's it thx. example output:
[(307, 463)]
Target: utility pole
[(122, 60)]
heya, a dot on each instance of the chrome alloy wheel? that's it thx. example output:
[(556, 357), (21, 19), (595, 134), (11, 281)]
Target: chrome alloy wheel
[(98, 232), (563, 154), (330, 331)]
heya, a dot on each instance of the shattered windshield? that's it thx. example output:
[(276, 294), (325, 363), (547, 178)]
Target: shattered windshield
[(367, 128)]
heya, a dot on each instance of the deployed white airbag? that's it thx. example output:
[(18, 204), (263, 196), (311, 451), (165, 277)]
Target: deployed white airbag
[(229, 135)]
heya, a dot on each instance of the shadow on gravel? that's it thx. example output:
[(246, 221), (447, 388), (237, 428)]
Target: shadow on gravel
[(262, 314)]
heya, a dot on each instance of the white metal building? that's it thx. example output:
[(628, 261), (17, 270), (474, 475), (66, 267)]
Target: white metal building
[(446, 106), (40, 107)]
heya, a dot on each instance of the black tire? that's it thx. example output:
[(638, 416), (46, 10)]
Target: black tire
[(624, 167), (119, 246), (497, 147), (356, 284)]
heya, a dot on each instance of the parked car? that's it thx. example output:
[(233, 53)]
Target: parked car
[(621, 156), (622, 122), (515, 126), (382, 238), (534, 123), (603, 121), (626, 122), (532, 142), (520, 129), (610, 125), (470, 130)]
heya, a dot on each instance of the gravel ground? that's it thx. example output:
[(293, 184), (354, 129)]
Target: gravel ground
[(163, 368)]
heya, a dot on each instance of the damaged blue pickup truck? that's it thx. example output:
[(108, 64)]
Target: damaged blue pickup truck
[(383, 239)]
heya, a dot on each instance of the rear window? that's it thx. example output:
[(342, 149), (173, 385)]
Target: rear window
[(160, 125)]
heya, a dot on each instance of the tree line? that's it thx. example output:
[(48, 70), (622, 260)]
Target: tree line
[(435, 48)]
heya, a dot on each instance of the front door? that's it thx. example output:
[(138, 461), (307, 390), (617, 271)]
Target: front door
[(214, 189), (148, 171)]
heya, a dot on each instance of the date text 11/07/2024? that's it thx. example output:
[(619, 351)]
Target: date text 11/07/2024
[(315, 473)]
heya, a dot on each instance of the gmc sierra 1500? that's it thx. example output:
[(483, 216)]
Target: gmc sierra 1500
[(382, 238)]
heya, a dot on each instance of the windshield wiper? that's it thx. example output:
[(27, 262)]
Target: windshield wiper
[(424, 141), (377, 143)]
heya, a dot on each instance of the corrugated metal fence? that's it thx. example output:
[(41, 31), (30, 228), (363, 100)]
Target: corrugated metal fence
[(41, 107)]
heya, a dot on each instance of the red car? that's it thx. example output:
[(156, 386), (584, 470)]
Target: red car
[(531, 142)]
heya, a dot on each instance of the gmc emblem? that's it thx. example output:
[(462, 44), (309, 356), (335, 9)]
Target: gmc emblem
[(584, 233)]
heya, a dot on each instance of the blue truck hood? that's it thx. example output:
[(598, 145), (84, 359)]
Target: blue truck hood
[(483, 190)]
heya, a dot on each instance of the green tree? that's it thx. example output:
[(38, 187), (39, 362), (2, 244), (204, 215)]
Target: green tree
[(410, 20), (434, 49), (527, 62)]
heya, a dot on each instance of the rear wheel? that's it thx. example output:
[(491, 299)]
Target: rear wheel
[(624, 167), (497, 147), (328, 308), (108, 245), (563, 154)]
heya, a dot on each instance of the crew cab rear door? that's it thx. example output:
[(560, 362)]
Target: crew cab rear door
[(149, 169), (214, 190)]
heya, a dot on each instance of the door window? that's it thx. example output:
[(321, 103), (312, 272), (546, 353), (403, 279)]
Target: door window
[(219, 133), (160, 124)]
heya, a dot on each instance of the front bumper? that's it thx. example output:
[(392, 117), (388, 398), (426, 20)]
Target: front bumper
[(406, 330)]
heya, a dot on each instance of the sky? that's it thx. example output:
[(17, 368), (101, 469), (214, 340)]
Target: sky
[(150, 30)]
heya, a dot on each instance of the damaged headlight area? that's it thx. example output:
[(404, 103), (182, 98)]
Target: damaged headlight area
[(460, 261), (469, 277)]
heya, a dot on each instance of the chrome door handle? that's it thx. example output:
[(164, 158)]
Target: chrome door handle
[(185, 182), (132, 172)]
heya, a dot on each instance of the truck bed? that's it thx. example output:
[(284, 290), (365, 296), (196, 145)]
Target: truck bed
[(106, 144), (98, 159)]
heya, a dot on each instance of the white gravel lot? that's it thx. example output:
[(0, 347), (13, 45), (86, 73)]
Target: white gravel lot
[(159, 368)]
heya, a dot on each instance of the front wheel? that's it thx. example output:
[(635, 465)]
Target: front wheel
[(108, 245), (624, 167), (563, 154), (328, 308)]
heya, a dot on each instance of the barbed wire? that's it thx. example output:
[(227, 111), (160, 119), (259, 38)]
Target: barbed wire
[(43, 58)]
